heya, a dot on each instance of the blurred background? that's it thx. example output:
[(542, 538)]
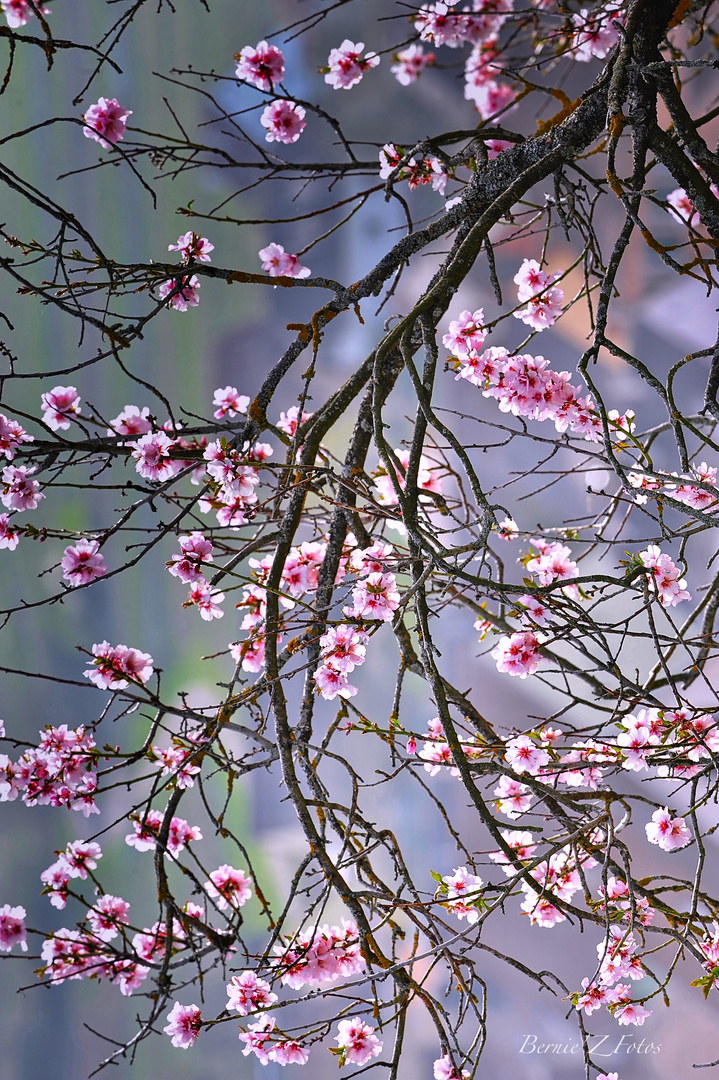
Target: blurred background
[(233, 337)]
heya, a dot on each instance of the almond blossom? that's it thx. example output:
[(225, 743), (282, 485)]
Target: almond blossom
[(595, 32), (193, 247), (12, 435), (668, 832), (466, 333), (284, 121), (131, 421), (462, 894), (184, 290), (357, 1042), (518, 655), (9, 534), (12, 928), (443, 1069), (320, 954), (106, 914), (246, 993), (524, 755), (682, 206), (196, 552), (106, 121), (375, 597), (230, 887), (152, 457), (346, 65), (206, 600), (230, 402), (183, 1025), (18, 12), (543, 300), (83, 563), (263, 65), (20, 493), (410, 64), (116, 666), (278, 263), (664, 578)]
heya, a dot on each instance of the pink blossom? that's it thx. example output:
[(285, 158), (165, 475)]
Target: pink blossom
[(319, 955), (181, 833), (443, 1069), (514, 797), (116, 665), (595, 995), (492, 97), (411, 62), (183, 1025), (669, 833), (682, 206), (631, 1013), (263, 65), (55, 879), (345, 647), (288, 1052), (542, 311), (507, 529), (333, 683), (540, 911), (187, 294), (107, 913), (12, 435), (284, 120), (278, 263), (155, 941), (357, 1042), (20, 493), (9, 534), (229, 402), (595, 33), (18, 12), (193, 247), (152, 458), (12, 928), (80, 856), (83, 562), (230, 887), (466, 333), (289, 420), (105, 122), (524, 755), (131, 421), (196, 552), (246, 993), (665, 577), (128, 975), (552, 564), (257, 1036), (461, 885), (146, 830), (517, 655), (346, 66), (206, 600), (376, 597)]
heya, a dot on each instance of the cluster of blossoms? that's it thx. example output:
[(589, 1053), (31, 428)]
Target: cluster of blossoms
[(59, 405), (233, 480), (268, 1043), (460, 892), (147, 830), (18, 12), (183, 290), (617, 960), (410, 63), (435, 751), (12, 435), (279, 263), (284, 121), (543, 299), (176, 761), (665, 577), (320, 954), (261, 65), (596, 32), (117, 666), (78, 857), (228, 887), (696, 491), (59, 771), (518, 654), (417, 173), (19, 491), (12, 928), (622, 906), (346, 65), (105, 122), (196, 552), (356, 1041), (668, 832)]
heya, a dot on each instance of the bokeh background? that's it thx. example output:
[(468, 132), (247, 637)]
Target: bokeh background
[(233, 337)]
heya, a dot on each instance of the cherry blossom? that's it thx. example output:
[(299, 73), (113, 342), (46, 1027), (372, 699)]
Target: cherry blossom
[(460, 886), (116, 666), (131, 421), (524, 755), (193, 247), (284, 121), (357, 1042), (346, 66), (596, 33), (230, 887), (246, 993), (106, 121), (19, 492), (410, 64), (12, 928), (517, 655), (186, 294), (152, 458), (12, 435), (230, 402), (107, 913), (196, 551), (183, 1025), (263, 65), (83, 563), (278, 263), (668, 832), (443, 1069), (9, 534)]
